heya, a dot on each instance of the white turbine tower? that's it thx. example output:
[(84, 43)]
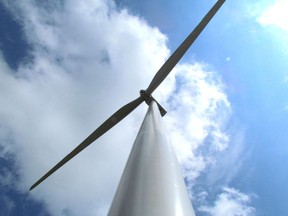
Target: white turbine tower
[(151, 183)]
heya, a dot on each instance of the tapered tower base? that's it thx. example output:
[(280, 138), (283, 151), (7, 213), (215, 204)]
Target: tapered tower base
[(151, 184)]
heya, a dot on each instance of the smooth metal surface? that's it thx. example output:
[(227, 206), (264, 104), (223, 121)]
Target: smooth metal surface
[(151, 184)]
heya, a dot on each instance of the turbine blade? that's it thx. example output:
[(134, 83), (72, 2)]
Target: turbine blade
[(181, 50), (107, 125)]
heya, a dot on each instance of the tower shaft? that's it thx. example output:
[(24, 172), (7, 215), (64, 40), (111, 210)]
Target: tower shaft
[(151, 183)]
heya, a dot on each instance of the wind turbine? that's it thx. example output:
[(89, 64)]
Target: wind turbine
[(151, 183)]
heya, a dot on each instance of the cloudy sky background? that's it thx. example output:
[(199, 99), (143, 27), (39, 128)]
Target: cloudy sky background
[(65, 66)]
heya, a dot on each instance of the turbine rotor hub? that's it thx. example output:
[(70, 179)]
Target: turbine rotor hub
[(147, 98)]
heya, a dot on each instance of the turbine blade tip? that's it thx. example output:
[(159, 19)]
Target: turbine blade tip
[(33, 186)]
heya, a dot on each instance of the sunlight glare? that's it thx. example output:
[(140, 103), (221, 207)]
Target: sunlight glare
[(276, 15)]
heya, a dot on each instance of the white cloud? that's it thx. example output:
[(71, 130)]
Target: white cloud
[(230, 202), (90, 58), (87, 63), (276, 15), (199, 109)]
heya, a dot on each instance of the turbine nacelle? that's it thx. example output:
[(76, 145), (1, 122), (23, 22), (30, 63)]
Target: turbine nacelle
[(149, 98)]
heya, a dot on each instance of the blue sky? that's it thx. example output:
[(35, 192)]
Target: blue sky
[(62, 66)]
